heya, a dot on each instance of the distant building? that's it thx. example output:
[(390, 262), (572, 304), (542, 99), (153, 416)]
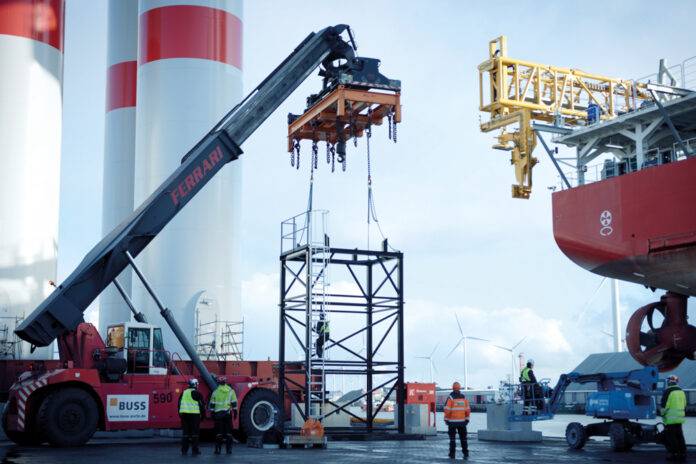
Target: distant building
[(617, 362), (474, 396)]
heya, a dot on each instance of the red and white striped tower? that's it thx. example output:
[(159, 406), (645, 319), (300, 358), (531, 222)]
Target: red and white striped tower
[(31, 87), (189, 76), (119, 141)]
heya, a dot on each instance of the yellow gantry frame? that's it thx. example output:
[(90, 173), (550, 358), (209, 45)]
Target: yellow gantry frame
[(520, 91)]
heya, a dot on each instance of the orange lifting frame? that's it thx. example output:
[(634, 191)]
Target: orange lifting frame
[(336, 108)]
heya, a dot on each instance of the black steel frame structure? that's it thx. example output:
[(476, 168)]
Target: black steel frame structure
[(378, 275)]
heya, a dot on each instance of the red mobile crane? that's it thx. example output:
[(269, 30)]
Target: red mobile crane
[(131, 381)]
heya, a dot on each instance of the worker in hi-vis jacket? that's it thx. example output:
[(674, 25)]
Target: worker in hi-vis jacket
[(191, 412), (223, 404), (457, 412), (672, 410)]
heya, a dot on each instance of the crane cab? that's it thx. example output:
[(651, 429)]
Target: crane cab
[(140, 345)]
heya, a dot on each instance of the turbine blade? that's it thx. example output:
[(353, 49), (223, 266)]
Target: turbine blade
[(480, 339), (518, 343), (587, 304), (459, 325), (503, 348), (455, 347), (433, 352)]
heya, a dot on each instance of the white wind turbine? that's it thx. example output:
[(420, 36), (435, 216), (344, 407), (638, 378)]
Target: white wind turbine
[(512, 356), (462, 341), (430, 360)]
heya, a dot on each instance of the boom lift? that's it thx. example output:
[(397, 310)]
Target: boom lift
[(519, 92), (133, 383), (620, 399)]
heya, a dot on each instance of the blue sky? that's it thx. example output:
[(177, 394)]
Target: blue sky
[(442, 194)]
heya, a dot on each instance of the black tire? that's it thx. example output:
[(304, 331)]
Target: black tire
[(576, 435), (256, 413), (21, 438), (617, 436), (68, 417)]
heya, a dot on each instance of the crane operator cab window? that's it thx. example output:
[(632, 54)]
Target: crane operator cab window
[(141, 345), (139, 350)]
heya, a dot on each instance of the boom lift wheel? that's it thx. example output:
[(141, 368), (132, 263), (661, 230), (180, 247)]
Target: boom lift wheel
[(68, 417), (256, 414), (576, 435), (617, 436)]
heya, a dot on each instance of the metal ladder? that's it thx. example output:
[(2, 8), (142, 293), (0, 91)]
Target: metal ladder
[(317, 281)]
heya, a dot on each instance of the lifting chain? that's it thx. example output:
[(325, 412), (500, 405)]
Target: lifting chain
[(352, 125), (333, 157), (315, 155), (297, 152), (368, 133), (392, 124), (295, 148), (315, 146)]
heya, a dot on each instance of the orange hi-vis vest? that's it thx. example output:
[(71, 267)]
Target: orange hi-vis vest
[(457, 408)]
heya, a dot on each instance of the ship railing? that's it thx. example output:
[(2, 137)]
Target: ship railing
[(613, 167), (684, 73), (689, 144)]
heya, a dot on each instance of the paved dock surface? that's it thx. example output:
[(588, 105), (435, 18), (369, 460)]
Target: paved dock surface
[(434, 449)]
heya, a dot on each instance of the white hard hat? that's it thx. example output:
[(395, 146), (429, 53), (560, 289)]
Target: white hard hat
[(531, 361), (193, 383)]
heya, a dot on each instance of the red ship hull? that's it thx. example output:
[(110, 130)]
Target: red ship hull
[(639, 227)]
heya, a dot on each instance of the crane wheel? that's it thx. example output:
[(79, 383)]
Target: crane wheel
[(576, 435), (257, 412), (68, 417), (21, 438), (617, 437)]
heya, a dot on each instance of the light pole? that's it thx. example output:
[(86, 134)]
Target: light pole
[(462, 341)]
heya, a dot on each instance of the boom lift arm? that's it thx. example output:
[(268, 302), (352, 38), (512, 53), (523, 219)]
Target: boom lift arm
[(639, 382), (63, 310)]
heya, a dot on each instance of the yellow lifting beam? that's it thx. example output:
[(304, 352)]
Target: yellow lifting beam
[(516, 91)]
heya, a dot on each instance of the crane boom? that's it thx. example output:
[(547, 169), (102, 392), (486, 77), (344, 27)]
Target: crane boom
[(63, 310)]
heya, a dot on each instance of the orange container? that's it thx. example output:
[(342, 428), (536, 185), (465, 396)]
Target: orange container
[(422, 393)]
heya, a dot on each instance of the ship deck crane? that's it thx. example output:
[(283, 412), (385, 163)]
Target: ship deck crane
[(519, 92)]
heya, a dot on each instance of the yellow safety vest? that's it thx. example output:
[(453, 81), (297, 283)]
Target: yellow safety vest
[(188, 404), (222, 399), (674, 408), (525, 375)]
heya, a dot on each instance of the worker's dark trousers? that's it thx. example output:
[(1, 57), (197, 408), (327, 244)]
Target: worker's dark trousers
[(527, 394), (320, 346), (674, 440), (190, 428), (452, 430), (223, 430)]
